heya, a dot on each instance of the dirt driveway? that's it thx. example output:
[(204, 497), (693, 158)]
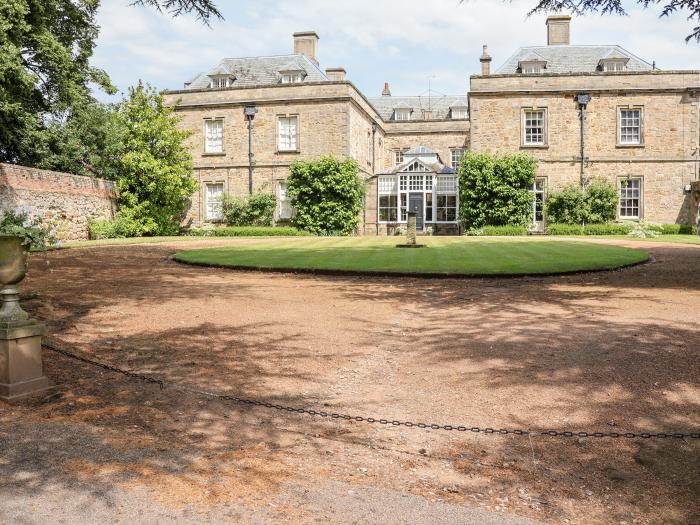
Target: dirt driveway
[(613, 351)]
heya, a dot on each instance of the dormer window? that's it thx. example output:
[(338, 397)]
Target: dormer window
[(402, 114), (610, 66), (292, 77), (531, 68), (459, 113), (221, 81)]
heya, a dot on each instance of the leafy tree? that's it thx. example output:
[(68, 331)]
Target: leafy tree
[(203, 9), (45, 47), (154, 181), (496, 191), (595, 204), (690, 7), (327, 194)]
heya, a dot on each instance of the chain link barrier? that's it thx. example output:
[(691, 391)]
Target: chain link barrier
[(371, 420)]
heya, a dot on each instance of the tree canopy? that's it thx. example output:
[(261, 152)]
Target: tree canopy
[(204, 10)]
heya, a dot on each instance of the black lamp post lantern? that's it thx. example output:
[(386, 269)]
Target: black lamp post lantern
[(249, 113), (583, 99)]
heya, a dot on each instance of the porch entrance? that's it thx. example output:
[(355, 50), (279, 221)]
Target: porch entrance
[(415, 204)]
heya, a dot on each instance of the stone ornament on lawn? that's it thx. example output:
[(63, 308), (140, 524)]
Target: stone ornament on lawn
[(410, 232)]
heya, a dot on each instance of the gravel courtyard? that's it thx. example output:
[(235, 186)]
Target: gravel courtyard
[(610, 351)]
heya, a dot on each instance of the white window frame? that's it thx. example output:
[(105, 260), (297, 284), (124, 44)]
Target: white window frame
[(459, 113), (456, 156), (446, 186), (623, 123), (399, 154), (614, 66), (292, 77), (214, 138), (628, 194), (531, 68), (402, 114), (539, 191), (287, 142), (220, 82), (285, 209), (213, 211), (526, 139)]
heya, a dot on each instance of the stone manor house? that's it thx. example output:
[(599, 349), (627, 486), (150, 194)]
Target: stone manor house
[(583, 111)]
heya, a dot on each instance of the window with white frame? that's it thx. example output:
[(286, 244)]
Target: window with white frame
[(630, 126), (212, 200), (630, 198), (614, 65), (221, 82), (538, 204), (415, 183), (446, 198), (456, 155), (459, 113), (530, 68), (402, 114), (214, 135), (292, 77), (285, 210), (387, 199), (398, 157), (416, 166), (534, 127), (288, 131)]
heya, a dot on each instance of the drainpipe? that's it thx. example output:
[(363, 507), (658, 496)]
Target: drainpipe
[(364, 196), (582, 99)]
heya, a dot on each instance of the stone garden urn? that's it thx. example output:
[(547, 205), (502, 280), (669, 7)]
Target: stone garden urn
[(21, 366), (13, 268)]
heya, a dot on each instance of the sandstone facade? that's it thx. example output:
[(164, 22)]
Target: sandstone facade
[(65, 202)]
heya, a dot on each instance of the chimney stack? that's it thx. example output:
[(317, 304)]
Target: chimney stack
[(306, 43), (558, 29), (335, 73), (385, 91), (485, 62)]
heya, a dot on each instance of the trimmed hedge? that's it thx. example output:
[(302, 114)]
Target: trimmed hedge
[(589, 229), (507, 230), (674, 229), (248, 231)]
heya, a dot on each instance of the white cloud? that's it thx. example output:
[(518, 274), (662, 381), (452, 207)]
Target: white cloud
[(401, 41)]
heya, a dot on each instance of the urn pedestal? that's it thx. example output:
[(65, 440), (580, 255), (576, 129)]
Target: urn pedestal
[(21, 366)]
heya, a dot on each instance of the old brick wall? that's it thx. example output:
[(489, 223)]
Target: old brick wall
[(64, 201)]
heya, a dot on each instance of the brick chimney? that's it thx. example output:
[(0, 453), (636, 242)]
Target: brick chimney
[(335, 73), (385, 91), (485, 62), (558, 29), (306, 43)]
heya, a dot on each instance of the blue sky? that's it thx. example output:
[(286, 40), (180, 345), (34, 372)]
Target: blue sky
[(403, 42)]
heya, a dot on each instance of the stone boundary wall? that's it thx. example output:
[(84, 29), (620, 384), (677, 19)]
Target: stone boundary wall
[(65, 202)]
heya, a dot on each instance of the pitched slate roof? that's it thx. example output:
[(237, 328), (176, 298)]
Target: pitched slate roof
[(572, 59), (439, 104), (258, 71)]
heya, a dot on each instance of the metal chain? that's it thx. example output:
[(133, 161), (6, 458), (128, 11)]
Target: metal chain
[(370, 420)]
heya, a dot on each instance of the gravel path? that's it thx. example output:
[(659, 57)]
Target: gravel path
[(608, 351)]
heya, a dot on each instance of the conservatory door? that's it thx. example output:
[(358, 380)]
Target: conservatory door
[(415, 203)]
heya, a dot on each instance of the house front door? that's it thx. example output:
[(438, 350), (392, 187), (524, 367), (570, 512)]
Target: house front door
[(415, 204)]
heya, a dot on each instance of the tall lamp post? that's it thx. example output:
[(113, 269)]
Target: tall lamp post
[(249, 113), (583, 99)]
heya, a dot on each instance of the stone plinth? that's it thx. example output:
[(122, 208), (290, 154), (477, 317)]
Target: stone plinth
[(21, 368), (411, 228)]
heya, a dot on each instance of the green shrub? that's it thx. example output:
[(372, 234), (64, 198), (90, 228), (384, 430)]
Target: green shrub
[(643, 230), (34, 234), (248, 231), (674, 229), (496, 191), (564, 229), (597, 204), (327, 194), (123, 225), (607, 229), (508, 229), (255, 210)]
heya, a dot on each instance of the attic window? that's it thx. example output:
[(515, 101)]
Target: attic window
[(458, 113), (292, 77), (614, 65), (531, 68), (221, 81), (402, 114)]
